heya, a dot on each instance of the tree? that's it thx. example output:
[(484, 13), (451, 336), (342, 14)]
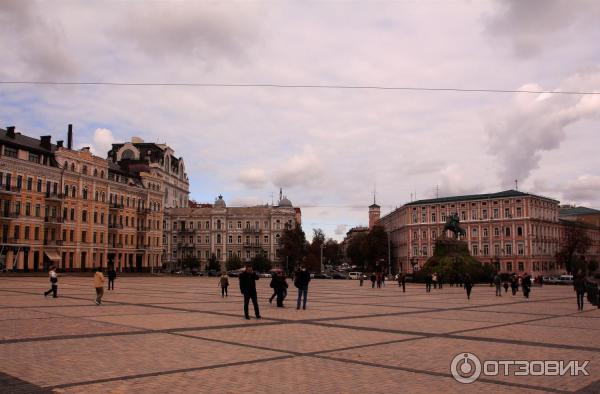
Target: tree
[(293, 247), (357, 250), (377, 245), (213, 264), (190, 263), (233, 263), (260, 263), (573, 248), (331, 252), (312, 261)]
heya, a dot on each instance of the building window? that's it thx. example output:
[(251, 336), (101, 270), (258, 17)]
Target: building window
[(230, 239), (239, 239), (433, 217), (84, 216), (509, 266), (520, 231), (485, 231), (496, 212), (423, 217), (507, 213), (508, 249), (475, 249), (486, 249), (520, 249), (519, 212), (474, 214), (239, 224), (507, 231), (496, 231), (207, 225), (521, 266), (474, 232)]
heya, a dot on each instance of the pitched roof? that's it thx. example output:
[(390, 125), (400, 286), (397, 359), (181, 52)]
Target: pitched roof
[(25, 142), (573, 211), (502, 194)]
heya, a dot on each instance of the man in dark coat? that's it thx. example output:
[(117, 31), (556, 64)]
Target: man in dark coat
[(279, 286), (402, 281), (248, 280), (579, 284), (301, 282), (526, 285), (112, 275), (468, 285), (428, 280)]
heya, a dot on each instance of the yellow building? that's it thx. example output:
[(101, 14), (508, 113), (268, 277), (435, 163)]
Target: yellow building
[(72, 209)]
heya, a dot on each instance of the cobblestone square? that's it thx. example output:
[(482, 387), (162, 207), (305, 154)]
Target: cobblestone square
[(177, 334)]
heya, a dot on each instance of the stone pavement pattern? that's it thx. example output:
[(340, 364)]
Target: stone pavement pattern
[(177, 334)]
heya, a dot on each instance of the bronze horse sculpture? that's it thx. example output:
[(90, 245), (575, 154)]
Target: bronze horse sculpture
[(453, 224)]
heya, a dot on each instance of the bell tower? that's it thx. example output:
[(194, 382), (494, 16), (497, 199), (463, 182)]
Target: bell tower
[(374, 212)]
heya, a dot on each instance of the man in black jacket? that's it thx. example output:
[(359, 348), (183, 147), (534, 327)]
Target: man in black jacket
[(248, 280), (301, 282)]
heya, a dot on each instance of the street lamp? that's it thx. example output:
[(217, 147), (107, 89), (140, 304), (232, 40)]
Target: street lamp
[(389, 254), (322, 267)]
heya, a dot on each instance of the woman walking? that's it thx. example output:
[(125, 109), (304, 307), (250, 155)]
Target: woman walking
[(224, 283), (468, 285)]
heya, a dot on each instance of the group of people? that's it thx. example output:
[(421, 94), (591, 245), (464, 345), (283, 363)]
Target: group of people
[(434, 279), (99, 280), (248, 278), (515, 282)]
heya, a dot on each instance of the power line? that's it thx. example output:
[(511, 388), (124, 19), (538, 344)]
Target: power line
[(284, 86)]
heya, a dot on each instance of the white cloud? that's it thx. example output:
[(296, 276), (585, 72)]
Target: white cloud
[(253, 178), (533, 124), (300, 169), (340, 229), (102, 142)]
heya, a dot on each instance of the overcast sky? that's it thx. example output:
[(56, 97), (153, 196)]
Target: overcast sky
[(327, 148)]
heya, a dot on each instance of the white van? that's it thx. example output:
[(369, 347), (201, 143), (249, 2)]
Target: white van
[(354, 275), (565, 280)]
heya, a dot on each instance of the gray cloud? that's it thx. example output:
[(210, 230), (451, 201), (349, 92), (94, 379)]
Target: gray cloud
[(533, 124), (35, 40), (534, 25), (199, 32), (253, 178)]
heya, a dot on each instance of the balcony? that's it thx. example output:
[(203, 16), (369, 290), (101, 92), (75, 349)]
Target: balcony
[(53, 219), (7, 189), (187, 231), (54, 196), (144, 211), (251, 230), (53, 242), (116, 206), (9, 215), (115, 226)]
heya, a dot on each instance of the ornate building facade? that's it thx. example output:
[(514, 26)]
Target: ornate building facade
[(72, 209), (222, 231), (515, 231)]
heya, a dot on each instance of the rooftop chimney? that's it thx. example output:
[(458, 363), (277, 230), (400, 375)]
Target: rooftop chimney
[(70, 137), (45, 142), (59, 143), (10, 131)]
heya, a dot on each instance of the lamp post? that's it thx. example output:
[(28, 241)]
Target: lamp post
[(322, 268)]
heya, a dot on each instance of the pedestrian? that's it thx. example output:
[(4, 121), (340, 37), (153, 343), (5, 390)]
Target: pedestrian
[(440, 280), (434, 279), (279, 285), (361, 279), (53, 283), (224, 283), (248, 280), (526, 285), (301, 282), (379, 281), (505, 285), (514, 284), (99, 285), (468, 283), (579, 285), (498, 283), (373, 279), (112, 275), (402, 281), (428, 280), (383, 280)]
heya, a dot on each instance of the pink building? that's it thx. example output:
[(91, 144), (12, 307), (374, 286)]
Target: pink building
[(518, 232)]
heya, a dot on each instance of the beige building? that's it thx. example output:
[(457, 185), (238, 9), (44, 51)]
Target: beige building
[(222, 231), (72, 209), (160, 161)]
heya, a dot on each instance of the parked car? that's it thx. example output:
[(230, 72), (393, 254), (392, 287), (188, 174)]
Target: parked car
[(339, 275), (180, 272), (354, 275), (565, 280), (234, 273), (321, 276), (213, 273), (265, 275)]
